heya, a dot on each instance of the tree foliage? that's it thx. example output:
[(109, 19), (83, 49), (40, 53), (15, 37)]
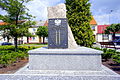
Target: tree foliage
[(42, 31), (28, 34), (6, 34), (79, 17), (112, 29), (17, 18)]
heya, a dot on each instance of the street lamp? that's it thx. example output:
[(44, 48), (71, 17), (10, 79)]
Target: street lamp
[(109, 15)]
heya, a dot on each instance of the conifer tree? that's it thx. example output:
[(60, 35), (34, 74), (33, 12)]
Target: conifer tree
[(17, 18), (79, 17)]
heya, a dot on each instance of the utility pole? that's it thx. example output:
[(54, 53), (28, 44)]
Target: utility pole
[(109, 16)]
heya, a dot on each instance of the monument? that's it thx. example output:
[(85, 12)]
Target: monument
[(62, 52), (63, 59), (58, 16)]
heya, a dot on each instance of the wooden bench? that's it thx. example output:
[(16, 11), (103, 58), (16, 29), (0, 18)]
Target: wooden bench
[(108, 45)]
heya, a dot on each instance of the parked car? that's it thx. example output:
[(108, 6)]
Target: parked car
[(117, 41), (6, 43), (1, 43)]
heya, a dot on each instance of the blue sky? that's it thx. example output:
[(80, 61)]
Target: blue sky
[(101, 10)]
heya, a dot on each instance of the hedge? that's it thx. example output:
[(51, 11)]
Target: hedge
[(110, 54), (8, 55)]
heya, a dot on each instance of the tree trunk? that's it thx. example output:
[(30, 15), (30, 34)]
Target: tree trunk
[(8, 38), (43, 40), (113, 36), (4, 38), (39, 39), (15, 42), (27, 39)]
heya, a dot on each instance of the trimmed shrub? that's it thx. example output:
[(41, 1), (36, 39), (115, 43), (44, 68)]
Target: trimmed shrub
[(116, 57), (108, 53), (8, 55)]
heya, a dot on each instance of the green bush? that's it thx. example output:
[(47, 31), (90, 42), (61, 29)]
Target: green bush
[(108, 53), (97, 48), (8, 55), (116, 57)]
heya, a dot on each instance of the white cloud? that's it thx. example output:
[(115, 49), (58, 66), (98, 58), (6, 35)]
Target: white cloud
[(102, 19), (38, 8), (2, 12), (100, 9)]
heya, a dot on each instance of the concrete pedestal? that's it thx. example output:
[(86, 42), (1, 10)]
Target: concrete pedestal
[(63, 64), (81, 58)]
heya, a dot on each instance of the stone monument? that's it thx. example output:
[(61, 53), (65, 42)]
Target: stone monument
[(63, 53), (58, 13), (62, 59)]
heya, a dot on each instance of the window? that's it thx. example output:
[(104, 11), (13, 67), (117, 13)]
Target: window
[(105, 36), (34, 29), (33, 33), (33, 38), (93, 28)]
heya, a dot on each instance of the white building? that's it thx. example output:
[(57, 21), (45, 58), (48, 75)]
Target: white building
[(36, 39), (93, 24), (32, 30), (101, 37)]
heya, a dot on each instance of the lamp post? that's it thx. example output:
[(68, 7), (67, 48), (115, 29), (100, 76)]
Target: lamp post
[(109, 15), (102, 34), (109, 20)]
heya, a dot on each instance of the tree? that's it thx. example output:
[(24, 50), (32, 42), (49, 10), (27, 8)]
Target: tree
[(79, 17), (42, 31), (16, 17), (28, 34), (6, 34), (113, 28)]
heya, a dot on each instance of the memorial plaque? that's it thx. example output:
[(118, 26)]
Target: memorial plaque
[(58, 33)]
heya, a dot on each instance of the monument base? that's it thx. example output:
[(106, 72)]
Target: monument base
[(104, 72), (26, 74), (81, 58), (76, 64)]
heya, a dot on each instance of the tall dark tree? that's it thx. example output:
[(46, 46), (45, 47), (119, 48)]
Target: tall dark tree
[(16, 17), (42, 31), (79, 17), (112, 29)]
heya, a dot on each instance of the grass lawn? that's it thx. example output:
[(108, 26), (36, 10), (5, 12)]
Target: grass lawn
[(37, 44)]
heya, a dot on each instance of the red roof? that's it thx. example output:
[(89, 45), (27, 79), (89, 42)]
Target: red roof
[(46, 23), (101, 28), (3, 23), (93, 22)]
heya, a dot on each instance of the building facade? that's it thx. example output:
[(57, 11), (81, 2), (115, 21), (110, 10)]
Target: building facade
[(102, 37), (36, 39), (93, 25)]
